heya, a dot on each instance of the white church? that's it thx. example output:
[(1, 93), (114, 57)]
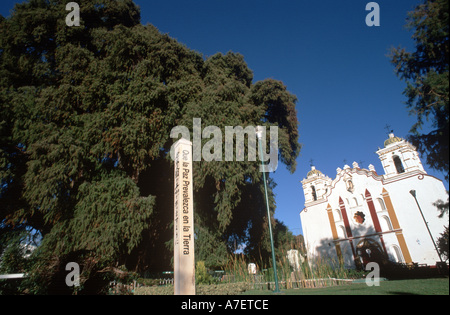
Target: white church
[(362, 216)]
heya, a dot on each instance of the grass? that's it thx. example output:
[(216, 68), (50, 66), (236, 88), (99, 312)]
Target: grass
[(438, 286)]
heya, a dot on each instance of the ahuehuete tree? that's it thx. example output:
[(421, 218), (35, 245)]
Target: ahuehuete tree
[(86, 115)]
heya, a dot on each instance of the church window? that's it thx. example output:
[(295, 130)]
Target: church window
[(382, 205), (337, 215), (386, 224), (350, 186), (398, 164), (314, 194)]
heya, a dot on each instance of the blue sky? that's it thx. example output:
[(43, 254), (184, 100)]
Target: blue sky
[(325, 54)]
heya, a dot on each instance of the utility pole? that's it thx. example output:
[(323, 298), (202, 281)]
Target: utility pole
[(413, 193), (274, 262)]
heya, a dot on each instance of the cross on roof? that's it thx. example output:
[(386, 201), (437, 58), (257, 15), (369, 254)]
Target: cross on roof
[(388, 129)]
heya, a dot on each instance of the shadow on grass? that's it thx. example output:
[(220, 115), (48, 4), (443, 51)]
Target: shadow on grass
[(400, 293)]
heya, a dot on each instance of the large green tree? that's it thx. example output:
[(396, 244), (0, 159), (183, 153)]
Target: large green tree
[(86, 115), (426, 71)]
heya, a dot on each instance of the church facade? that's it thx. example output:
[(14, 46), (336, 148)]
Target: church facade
[(361, 216)]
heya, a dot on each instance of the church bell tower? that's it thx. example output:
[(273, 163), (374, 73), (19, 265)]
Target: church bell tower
[(399, 157), (315, 186)]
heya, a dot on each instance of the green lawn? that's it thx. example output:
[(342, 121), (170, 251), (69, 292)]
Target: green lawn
[(398, 287)]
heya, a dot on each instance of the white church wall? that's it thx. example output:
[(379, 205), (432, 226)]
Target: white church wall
[(428, 190)]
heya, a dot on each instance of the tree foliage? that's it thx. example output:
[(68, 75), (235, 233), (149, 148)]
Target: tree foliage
[(442, 244), (426, 72), (86, 114)]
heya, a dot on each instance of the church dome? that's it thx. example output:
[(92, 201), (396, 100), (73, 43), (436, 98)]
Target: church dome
[(313, 171), (392, 139)]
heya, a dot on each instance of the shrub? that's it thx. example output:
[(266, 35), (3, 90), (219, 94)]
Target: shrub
[(201, 274), (202, 289), (166, 290)]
